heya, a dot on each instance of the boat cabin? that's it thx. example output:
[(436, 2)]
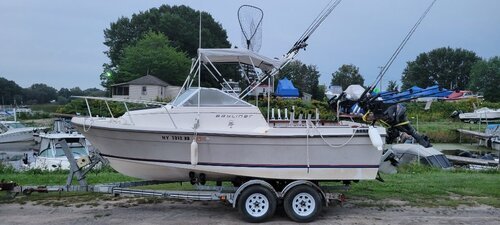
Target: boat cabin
[(50, 147)]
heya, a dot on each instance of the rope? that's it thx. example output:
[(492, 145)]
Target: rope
[(90, 125), (326, 142)]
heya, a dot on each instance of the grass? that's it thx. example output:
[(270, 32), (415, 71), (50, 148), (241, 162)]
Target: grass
[(415, 185), (445, 131), (424, 186), (39, 177), (49, 108)]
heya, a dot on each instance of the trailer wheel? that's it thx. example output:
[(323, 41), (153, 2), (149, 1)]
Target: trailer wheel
[(257, 204), (302, 203)]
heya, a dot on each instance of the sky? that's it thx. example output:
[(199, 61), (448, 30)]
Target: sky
[(60, 42)]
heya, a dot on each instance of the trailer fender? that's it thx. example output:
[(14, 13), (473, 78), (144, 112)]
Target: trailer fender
[(248, 184), (300, 182)]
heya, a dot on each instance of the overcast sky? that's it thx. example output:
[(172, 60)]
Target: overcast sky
[(59, 43)]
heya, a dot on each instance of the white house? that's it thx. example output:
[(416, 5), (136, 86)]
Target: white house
[(262, 90), (145, 88)]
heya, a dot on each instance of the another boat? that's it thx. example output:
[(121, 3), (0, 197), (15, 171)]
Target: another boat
[(208, 134), (12, 131), (459, 95), (481, 115), (410, 153), (51, 156)]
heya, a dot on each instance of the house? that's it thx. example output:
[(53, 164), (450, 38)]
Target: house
[(144, 88), (306, 97), (261, 90)]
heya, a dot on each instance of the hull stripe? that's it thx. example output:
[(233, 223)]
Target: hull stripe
[(244, 165)]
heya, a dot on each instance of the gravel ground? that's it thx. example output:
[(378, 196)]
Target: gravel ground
[(183, 212)]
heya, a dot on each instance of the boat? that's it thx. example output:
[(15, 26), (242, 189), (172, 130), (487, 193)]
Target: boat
[(460, 95), (481, 115), (50, 155), (209, 134), (490, 138), (13, 131), (410, 153)]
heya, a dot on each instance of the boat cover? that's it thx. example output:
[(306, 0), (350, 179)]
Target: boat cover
[(286, 89), (238, 55), (415, 92)]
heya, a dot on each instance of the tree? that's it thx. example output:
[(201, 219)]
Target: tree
[(10, 92), (179, 23), (446, 67), (347, 75), (304, 77), (64, 92), (485, 77), (152, 55), (94, 92), (76, 91), (393, 86), (39, 94)]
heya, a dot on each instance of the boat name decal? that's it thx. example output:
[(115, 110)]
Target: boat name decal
[(234, 116)]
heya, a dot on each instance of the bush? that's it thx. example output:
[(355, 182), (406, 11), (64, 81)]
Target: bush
[(440, 111)]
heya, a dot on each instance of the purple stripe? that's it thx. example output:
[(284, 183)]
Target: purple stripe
[(245, 165)]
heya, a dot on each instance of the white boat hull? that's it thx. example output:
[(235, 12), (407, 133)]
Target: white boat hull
[(166, 155), (16, 135), (480, 116)]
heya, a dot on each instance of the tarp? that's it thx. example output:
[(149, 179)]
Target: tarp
[(354, 92), (414, 93), (238, 55), (286, 89)]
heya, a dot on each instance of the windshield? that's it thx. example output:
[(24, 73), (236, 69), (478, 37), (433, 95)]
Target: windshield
[(208, 98), (76, 150), (3, 128)]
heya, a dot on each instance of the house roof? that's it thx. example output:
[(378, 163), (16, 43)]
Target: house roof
[(145, 80)]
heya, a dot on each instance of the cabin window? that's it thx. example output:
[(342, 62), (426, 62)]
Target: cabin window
[(433, 161), (45, 153), (144, 90)]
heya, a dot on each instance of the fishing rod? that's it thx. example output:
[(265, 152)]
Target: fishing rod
[(299, 44), (391, 115), (394, 55)]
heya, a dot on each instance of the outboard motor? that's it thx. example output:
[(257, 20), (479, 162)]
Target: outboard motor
[(391, 115), (395, 118)]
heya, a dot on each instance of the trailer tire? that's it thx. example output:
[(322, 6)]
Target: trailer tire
[(257, 204), (303, 203)]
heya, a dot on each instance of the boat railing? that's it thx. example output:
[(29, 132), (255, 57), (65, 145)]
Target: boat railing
[(289, 119), (124, 101)]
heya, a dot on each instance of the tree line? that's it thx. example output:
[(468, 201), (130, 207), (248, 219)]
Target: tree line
[(454, 69), (13, 94), (162, 42)]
